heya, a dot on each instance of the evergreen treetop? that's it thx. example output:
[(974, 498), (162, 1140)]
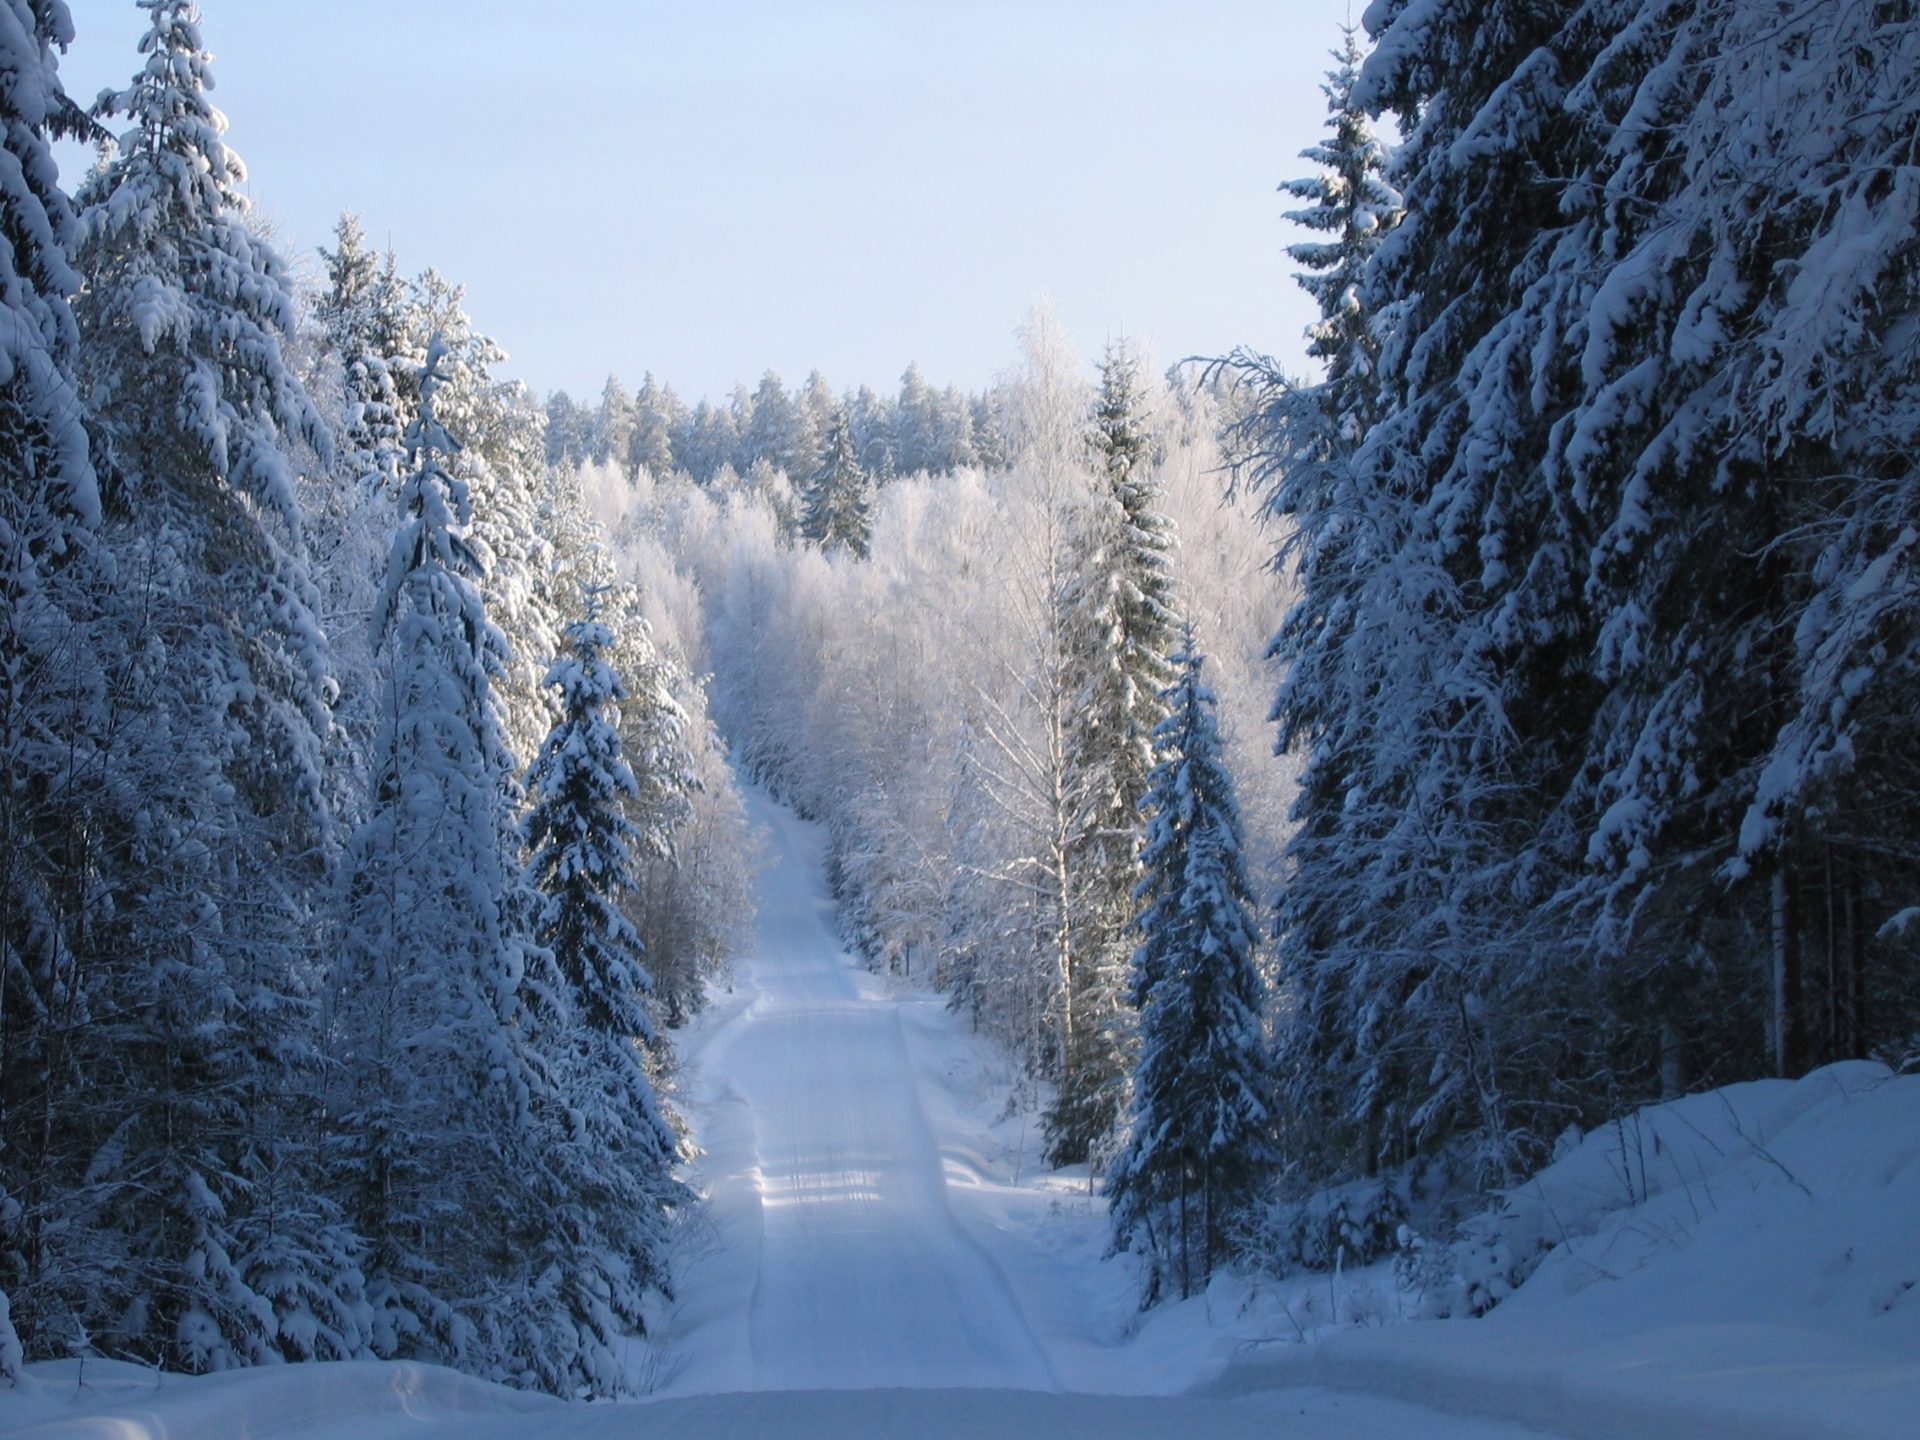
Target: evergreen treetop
[(839, 499)]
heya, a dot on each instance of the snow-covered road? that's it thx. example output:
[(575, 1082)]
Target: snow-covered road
[(863, 1278)]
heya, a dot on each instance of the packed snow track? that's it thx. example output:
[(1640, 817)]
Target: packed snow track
[(864, 1278)]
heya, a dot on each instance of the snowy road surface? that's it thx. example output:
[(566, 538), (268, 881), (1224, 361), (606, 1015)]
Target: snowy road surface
[(864, 1279)]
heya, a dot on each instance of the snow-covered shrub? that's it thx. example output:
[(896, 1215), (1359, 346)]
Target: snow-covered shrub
[(1349, 1225), (1425, 1273)]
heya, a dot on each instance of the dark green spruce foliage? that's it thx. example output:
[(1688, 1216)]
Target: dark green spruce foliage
[(1602, 668), (50, 683), (1200, 1148), (605, 1238)]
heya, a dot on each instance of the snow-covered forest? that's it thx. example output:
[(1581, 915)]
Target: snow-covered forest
[(1335, 783), (345, 788)]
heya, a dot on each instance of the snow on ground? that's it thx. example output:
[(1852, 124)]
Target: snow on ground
[(366, 1400), (413, 1402), (882, 1255), (1744, 1262)]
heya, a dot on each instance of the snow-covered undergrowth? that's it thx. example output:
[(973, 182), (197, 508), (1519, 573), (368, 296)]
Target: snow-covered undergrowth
[(1661, 1213), (365, 1399), (1740, 1262)]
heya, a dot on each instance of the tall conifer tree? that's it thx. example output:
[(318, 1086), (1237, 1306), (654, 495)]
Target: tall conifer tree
[(1200, 1145), (212, 1244), (839, 500), (1623, 499), (50, 685), (1117, 630), (360, 312), (614, 1147), (438, 1124)]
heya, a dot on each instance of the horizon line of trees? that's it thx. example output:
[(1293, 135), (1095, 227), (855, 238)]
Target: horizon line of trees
[(961, 675), (918, 429)]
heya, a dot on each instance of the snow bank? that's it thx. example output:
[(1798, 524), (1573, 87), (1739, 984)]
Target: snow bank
[(365, 1400), (1743, 1262)]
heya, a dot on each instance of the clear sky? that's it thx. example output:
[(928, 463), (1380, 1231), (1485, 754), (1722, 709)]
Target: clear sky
[(710, 188)]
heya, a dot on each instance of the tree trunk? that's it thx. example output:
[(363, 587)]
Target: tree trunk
[(1186, 1237), (1789, 1036), (1856, 970), (1673, 1070), (1835, 998)]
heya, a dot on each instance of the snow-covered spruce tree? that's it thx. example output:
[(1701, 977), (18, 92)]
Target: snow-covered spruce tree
[(656, 732), (502, 462), (989, 433), (1742, 448), (568, 425), (709, 443), (1738, 451), (1298, 441), (656, 415), (207, 1237), (1351, 203), (1438, 685), (439, 1118), (818, 407), (773, 430), (612, 434), (916, 424), (1118, 630), (604, 1239), (839, 500), (1643, 410), (693, 898), (360, 315), (50, 685), (1200, 1145), (349, 506)]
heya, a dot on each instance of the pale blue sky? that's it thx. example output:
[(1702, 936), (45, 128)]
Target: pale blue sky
[(710, 189)]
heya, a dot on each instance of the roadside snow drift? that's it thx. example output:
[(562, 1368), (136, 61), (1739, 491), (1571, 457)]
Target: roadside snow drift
[(1744, 1262)]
